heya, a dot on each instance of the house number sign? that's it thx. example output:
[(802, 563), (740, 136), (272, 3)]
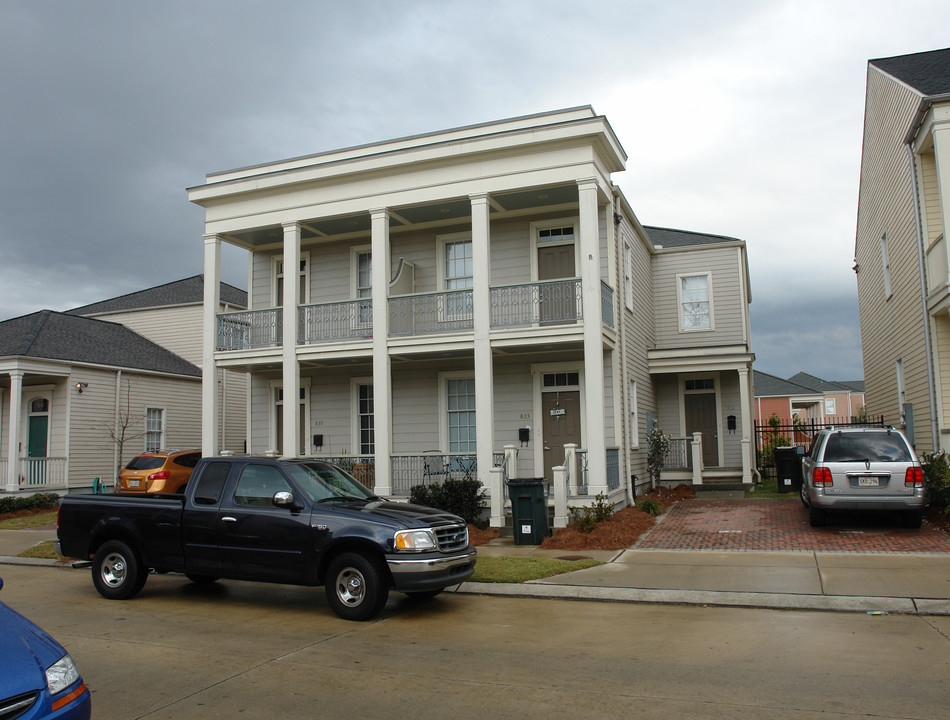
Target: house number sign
[(557, 412)]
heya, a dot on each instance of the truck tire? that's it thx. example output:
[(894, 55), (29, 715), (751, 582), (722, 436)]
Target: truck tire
[(117, 572), (356, 586)]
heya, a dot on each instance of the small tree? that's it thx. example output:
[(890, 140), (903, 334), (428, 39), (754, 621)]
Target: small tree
[(125, 427), (658, 445)]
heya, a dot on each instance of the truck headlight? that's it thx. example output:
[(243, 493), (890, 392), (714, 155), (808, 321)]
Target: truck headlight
[(61, 674), (415, 540)]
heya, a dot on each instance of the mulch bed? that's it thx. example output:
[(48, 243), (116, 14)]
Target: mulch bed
[(24, 513)]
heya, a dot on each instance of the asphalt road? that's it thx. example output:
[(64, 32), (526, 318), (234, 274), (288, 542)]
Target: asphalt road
[(266, 651)]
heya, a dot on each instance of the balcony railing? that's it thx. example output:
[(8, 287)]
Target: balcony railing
[(430, 469), (550, 301), (362, 467), (42, 472), (250, 329), (937, 265), (427, 313), (607, 303), (327, 322), (678, 456)]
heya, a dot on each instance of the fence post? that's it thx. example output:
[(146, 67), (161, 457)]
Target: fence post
[(497, 497), (697, 450), (560, 495), (570, 463)]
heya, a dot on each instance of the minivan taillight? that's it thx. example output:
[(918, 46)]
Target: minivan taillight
[(821, 477), (914, 477)]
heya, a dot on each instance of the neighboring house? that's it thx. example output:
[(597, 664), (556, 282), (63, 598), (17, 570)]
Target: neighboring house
[(479, 302), (901, 256), (171, 315), (806, 397), (67, 386)]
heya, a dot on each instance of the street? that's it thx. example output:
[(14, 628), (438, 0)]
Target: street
[(274, 651)]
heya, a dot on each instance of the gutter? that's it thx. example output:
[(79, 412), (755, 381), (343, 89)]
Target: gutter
[(928, 343)]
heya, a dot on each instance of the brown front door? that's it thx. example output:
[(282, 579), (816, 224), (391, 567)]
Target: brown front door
[(560, 424), (558, 304), (701, 417)]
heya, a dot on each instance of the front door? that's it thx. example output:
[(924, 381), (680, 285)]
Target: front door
[(701, 417), (37, 439), (558, 300), (560, 424)]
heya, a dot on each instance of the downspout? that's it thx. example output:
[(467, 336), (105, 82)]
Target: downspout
[(935, 440)]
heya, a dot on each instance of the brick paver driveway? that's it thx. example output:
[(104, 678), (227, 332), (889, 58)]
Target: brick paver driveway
[(782, 524)]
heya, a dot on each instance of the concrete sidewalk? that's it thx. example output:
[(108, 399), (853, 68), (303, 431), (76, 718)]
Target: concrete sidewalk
[(909, 583)]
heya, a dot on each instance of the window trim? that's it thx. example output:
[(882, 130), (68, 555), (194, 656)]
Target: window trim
[(161, 432), (679, 302), (444, 378), (363, 319), (535, 229), (277, 262), (356, 430), (276, 406), (633, 416), (830, 406)]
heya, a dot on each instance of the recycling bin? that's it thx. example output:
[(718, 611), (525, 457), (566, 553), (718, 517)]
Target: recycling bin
[(529, 510), (788, 468)]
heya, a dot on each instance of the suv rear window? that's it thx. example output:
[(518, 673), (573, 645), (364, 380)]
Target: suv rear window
[(858, 447), (145, 462)]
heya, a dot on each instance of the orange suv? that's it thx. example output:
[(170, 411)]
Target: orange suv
[(160, 471)]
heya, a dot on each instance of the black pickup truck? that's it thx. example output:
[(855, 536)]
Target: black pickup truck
[(300, 522)]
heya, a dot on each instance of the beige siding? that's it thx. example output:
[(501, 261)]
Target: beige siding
[(931, 209), (891, 328), (727, 306), (178, 329)]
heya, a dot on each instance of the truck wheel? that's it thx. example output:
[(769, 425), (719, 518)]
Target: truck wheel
[(356, 586), (116, 571)]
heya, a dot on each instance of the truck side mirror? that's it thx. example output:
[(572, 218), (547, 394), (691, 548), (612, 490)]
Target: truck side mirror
[(285, 499)]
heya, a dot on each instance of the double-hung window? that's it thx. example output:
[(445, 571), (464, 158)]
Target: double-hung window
[(695, 302), (154, 429), (364, 286), (457, 269), (460, 397), (367, 439)]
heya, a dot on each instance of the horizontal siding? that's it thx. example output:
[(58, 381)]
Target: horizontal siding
[(931, 209), (178, 329), (890, 328)]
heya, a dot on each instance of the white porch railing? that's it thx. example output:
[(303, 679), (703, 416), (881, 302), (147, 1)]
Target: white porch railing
[(326, 322), (429, 469), (46, 472), (427, 313), (550, 301), (250, 329)]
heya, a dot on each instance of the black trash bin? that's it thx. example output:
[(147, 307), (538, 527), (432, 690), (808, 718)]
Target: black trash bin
[(529, 510), (788, 468)]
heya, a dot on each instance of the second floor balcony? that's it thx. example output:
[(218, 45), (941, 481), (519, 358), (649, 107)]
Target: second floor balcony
[(527, 305)]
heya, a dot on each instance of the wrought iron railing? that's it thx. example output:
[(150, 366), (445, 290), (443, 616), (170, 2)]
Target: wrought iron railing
[(607, 303), (678, 455), (38, 472), (250, 329), (426, 313), (429, 469), (362, 467), (613, 468), (326, 322), (550, 301)]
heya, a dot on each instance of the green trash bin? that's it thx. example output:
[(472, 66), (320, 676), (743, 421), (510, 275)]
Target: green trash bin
[(529, 510)]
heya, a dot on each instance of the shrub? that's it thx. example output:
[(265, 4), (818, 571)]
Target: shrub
[(459, 497), (585, 519), (39, 501), (650, 505), (658, 445), (937, 481)]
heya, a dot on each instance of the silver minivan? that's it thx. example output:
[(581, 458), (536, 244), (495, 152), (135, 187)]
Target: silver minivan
[(862, 468)]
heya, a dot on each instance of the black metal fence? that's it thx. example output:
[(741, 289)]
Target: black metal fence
[(802, 432)]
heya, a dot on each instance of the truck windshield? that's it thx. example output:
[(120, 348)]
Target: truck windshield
[(322, 482)]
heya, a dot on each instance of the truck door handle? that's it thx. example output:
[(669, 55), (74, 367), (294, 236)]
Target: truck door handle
[(228, 518)]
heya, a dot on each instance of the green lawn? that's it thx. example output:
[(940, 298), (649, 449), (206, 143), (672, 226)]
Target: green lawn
[(521, 569), (30, 521), (44, 550)]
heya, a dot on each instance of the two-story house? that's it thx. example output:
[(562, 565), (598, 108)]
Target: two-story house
[(481, 302), (901, 254)]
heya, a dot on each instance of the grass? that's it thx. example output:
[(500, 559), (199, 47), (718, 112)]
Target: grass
[(768, 488), (44, 550), (29, 521), (522, 569)]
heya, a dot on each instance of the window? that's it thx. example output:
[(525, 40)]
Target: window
[(695, 301), (457, 274), (364, 285), (634, 419), (460, 396), (367, 441), (829, 406), (628, 273), (556, 235), (211, 483), (303, 442), (886, 265), (700, 384), (258, 485), (303, 296), (561, 380), (154, 429)]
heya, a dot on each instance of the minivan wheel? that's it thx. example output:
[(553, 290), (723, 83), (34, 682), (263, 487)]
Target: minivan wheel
[(912, 518), (816, 517)]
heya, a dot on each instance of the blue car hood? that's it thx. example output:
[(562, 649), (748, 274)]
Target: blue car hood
[(27, 652)]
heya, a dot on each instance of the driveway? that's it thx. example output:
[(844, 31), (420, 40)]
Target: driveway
[(782, 524)]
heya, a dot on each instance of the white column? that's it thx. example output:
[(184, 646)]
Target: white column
[(745, 402), (291, 370), (13, 443), (209, 372), (481, 326), (593, 342), (496, 497), (560, 495), (696, 448), (382, 365)]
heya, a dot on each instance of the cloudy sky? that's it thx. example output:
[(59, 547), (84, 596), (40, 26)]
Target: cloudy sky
[(739, 118)]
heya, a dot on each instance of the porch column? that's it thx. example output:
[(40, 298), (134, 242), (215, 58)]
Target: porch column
[(382, 365), (209, 372), (12, 482), (745, 402), (593, 334), (481, 325), (291, 370)]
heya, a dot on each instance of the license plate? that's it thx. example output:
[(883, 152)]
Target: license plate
[(869, 482), (133, 483)]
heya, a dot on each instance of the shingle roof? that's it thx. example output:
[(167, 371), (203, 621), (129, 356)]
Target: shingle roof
[(668, 237), (771, 386), (926, 72), (58, 336), (181, 292), (819, 385)]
